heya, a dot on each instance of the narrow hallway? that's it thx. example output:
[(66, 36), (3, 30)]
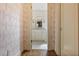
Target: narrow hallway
[(39, 29)]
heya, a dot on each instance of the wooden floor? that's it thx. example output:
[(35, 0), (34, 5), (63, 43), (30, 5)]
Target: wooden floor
[(36, 52)]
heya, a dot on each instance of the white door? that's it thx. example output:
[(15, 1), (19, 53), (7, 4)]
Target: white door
[(69, 33)]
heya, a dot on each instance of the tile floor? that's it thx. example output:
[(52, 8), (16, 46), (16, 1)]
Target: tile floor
[(39, 45)]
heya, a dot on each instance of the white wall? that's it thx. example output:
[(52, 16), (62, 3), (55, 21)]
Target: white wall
[(9, 30), (39, 6)]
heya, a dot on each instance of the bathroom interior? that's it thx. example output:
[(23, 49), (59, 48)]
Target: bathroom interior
[(39, 31)]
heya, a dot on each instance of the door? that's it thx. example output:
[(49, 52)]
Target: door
[(69, 33), (27, 19)]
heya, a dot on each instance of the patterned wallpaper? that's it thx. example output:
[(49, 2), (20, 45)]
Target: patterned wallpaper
[(9, 30)]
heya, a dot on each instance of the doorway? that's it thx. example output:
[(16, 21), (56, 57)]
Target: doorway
[(39, 26), (39, 21)]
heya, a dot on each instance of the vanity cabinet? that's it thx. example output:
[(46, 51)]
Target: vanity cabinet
[(39, 34)]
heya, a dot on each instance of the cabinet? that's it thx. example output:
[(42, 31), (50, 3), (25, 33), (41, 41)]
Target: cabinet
[(39, 34)]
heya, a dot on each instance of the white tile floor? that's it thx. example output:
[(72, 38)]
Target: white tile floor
[(39, 45)]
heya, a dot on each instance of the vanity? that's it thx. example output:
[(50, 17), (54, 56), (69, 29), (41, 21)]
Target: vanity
[(39, 34)]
